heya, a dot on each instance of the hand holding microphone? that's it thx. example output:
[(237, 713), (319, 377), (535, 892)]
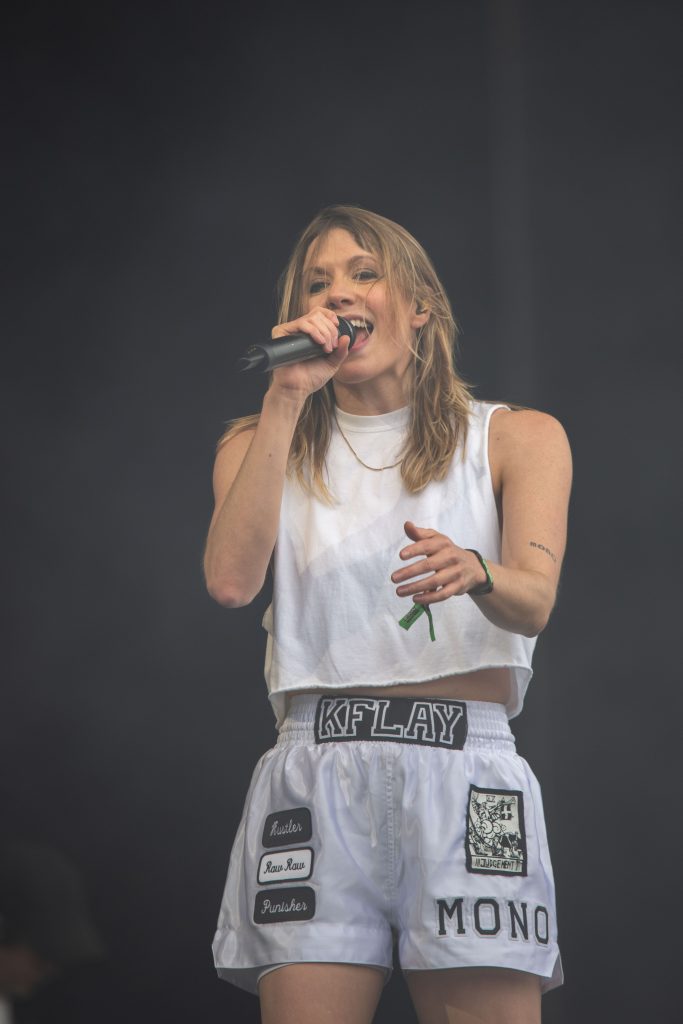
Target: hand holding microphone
[(298, 346)]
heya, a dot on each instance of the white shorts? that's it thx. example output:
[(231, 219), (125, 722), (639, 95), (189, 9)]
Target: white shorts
[(382, 821)]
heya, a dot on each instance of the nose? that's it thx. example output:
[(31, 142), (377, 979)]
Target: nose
[(340, 293)]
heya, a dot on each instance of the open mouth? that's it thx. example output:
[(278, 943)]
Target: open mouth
[(363, 328)]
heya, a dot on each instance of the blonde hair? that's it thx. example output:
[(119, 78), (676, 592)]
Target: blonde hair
[(439, 399)]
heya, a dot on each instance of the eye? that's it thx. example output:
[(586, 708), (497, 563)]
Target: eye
[(316, 286), (365, 274)]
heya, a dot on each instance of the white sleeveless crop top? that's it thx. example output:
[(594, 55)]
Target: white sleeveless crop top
[(333, 620)]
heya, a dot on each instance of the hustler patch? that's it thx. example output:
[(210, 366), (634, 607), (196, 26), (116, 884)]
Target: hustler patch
[(284, 828), (495, 842), (285, 866), (273, 905), (430, 722)]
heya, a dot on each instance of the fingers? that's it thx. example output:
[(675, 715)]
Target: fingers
[(321, 324), (428, 544), (341, 352), (417, 532), (434, 596), (321, 327), (436, 587), (420, 568), (440, 571)]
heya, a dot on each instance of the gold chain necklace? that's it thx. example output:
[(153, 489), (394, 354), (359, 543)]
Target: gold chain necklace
[(375, 469)]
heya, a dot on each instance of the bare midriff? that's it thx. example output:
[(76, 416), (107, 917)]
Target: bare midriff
[(490, 684)]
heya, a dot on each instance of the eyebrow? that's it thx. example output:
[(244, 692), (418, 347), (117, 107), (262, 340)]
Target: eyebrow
[(360, 258)]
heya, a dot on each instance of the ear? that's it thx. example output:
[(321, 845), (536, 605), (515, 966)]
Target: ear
[(420, 316)]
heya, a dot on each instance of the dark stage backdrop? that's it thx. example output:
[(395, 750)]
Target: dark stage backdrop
[(159, 162)]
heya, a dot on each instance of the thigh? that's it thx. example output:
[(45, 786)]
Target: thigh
[(311, 993), (475, 995)]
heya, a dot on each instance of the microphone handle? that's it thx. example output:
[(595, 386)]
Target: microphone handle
[(292, 348)]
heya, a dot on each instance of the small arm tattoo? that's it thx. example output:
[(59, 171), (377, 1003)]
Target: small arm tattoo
[(542, 547)]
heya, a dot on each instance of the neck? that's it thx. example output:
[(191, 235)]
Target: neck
[(372, 398)]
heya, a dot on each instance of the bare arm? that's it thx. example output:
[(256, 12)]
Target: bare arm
[(248, 479), (531, 462), (533, 457), (250, 470)]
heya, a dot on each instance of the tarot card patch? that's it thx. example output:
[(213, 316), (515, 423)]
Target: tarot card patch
[(495, 838)]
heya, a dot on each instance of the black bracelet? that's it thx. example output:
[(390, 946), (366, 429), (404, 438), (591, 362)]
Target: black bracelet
[(482, 588)]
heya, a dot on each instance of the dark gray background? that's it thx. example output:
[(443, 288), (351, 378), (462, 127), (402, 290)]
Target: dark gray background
[(159, 162)]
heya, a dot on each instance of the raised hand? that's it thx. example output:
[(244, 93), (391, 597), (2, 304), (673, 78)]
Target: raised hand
[(446, 570), (322, 325)]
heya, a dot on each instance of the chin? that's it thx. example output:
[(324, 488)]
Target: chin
[(356, 374)]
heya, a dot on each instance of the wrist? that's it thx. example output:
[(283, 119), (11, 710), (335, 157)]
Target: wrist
[(485, 585), (284, 401)]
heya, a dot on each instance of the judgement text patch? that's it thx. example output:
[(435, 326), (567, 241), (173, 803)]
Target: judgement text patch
[(430, 722), (296, 904), (495, 842), (283, 828)]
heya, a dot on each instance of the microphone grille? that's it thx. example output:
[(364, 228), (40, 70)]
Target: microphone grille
[(346, 327)]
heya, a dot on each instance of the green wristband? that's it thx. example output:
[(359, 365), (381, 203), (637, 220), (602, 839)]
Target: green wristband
[(482, 588)]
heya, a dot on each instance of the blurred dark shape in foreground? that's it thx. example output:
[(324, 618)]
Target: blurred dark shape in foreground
[(52, 959)]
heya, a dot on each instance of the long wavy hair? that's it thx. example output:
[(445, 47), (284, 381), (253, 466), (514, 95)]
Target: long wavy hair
[(439, 398)]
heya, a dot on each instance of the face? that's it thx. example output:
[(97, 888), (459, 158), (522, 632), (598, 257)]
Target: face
[(342, 276)]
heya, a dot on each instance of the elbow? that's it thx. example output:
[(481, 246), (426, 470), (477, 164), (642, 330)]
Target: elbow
[(537, 624), (228, 598), (539, 611), (228, 594), (224, 586)]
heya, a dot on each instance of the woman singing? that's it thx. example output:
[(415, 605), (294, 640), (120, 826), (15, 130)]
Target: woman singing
[(415, 536)]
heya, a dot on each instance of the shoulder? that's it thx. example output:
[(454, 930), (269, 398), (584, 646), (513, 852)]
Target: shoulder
[(236, 440), (521, 438), (525, 427)]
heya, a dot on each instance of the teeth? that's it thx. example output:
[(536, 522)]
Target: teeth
[(363, 324)]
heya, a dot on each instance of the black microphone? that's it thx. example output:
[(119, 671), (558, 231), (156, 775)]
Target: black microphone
[(292, 348)]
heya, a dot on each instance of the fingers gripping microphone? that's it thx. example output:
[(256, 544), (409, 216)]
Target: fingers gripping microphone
[(292, 348)]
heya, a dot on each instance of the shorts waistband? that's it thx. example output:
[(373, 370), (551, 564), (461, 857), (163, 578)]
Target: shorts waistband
[(425, 721)]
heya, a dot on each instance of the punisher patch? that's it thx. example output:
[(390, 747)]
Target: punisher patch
[(495, 838), (284, 828), (296, 904)]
